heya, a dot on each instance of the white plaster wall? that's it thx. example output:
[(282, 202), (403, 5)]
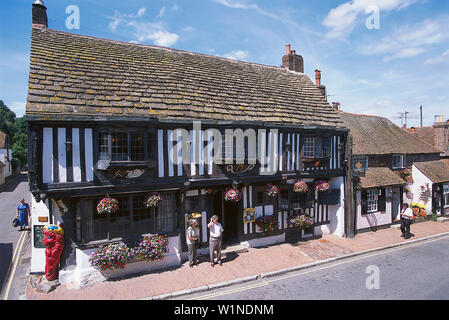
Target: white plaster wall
[(380, 218), (264, 241), (419, 179), (84, 274), (336, 213), (37, 254)]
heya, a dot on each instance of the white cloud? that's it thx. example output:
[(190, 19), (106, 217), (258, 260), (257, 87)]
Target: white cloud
[(237, 55), (236, 4), (161, 12), (144, 30), (410, 40), (175, 7), (342, 19), (188, 29), (18, 107), (440, 59)]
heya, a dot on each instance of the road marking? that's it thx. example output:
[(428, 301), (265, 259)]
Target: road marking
[(364, 256), (16, 257)]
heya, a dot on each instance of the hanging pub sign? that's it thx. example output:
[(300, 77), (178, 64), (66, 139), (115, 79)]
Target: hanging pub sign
[(249, 215)]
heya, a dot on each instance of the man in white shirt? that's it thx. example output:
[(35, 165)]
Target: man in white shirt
[(216, 232), (406, 220)]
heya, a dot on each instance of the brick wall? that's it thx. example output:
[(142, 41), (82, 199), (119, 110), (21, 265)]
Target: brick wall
[(441, 131)]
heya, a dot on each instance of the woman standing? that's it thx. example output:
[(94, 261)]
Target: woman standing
[(23, 214)]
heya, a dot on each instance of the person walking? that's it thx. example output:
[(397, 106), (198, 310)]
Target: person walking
[(406, 220), (23, 214), (216, 232), (193, 233)]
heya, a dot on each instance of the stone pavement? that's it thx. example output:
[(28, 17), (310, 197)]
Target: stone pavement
[(238, 266)]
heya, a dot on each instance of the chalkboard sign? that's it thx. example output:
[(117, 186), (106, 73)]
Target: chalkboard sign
[(39, 237)]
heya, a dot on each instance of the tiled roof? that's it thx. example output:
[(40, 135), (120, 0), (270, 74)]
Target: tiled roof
[(376, 136), (380, 177), (427, 134), (79, 75), (437, 171)]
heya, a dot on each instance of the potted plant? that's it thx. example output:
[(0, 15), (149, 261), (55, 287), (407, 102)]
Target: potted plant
[(266, 223), (300, 187), (107, 205), (152, 248), (322, 186), (111, 257), (153, 200), (233, 195), (272, 191)]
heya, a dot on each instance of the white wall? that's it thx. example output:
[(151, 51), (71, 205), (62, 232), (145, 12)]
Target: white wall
[(84, 274), (375, 219), (419, 179), (336, 213), (38, 254), (3, 157)]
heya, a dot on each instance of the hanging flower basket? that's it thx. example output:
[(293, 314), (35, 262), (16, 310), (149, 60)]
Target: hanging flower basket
[(267, 224), (272, 191), (302, 222), (322, 186), (107, 206), (300, 187), (233, 195), (153, 200)]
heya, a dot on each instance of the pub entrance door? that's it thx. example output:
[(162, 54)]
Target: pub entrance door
[(228, 214)]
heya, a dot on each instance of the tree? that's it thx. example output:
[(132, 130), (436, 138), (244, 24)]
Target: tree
[(7, 118)]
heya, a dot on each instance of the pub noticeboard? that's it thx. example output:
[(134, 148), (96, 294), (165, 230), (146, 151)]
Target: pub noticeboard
[(38, 235)]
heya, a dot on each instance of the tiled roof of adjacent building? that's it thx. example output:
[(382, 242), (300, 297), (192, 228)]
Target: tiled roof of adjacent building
[(380, 177), (79, 75), (426, 134), (377, 135), (437, 171)]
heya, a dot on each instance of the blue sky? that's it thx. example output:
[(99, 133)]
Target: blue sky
[(399, 66)]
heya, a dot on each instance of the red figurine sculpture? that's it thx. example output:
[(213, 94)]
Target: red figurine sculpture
[(54, 241)]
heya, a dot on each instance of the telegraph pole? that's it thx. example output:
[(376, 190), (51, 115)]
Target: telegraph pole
[(420, 115)]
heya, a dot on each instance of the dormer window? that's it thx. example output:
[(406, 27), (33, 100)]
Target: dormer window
[(398, 161)]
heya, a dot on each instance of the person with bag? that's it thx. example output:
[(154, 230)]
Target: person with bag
[(193, 233), (23, 214)]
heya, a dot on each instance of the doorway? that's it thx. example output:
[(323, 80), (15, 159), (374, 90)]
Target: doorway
[(228, 214)]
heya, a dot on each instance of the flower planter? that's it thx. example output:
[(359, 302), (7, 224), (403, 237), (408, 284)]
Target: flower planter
[(307, 233), (132, 268)]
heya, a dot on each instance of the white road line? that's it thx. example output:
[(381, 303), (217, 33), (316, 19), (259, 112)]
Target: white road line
[(16, 257)]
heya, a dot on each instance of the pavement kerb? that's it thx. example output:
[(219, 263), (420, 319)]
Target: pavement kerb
[(287, 270)]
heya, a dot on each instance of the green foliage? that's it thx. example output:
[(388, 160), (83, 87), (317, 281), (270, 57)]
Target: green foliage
[(16, 128)]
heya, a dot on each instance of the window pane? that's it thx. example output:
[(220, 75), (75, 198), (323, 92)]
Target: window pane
[(104, 145), (165, 214), (309, 147), (119, 146), (372, 200), (137, 146), (119, 222), (398, 161), (143, 222)]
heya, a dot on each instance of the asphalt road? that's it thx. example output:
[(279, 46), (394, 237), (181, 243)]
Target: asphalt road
[(418, 271), (16, 270)]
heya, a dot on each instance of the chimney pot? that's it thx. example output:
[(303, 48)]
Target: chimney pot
[(39, 14), (318, 77), (288, 49)]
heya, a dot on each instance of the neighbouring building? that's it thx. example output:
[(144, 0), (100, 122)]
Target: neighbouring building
[(125, 120), (436, 135), (384, 160), (2, 173), (6, 154)]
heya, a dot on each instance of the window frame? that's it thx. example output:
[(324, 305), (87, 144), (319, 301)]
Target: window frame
[(129, 226), (372, 199), (105, 151), (445, 195), (305, 152), (365, 161), (393, 163)]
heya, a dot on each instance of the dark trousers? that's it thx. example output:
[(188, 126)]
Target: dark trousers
[(193, 253), (405, 227), (215, 246)]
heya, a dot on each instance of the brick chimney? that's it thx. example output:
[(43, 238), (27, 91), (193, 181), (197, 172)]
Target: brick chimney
[(39, 14), (292, 61), (336, 106), (441, 134), (318, 83)]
